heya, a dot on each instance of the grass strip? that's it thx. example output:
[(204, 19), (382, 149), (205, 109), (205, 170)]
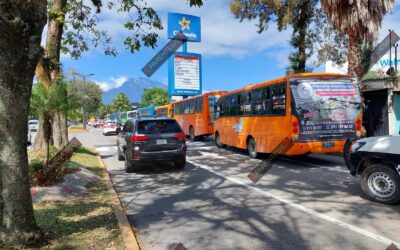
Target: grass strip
[(86, 222)]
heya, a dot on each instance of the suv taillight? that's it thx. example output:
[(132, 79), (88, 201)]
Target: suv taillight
[(180, 136), (137, 138)]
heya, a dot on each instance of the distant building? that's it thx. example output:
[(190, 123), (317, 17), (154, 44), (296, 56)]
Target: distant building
[(381, 92)]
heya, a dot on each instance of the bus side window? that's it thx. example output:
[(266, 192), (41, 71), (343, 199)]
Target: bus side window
[(186, 106)]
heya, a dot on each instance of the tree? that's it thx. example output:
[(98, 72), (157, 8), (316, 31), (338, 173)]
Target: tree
[(87, 94), (21, 26), (120, 103), (73, 29), (154, 97), (311, 31), (360, 21), (46, 101), (298, 14), (103, 110)]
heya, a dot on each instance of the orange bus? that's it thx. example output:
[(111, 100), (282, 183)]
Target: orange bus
[(165, 110), (314, 112), (196, 114)]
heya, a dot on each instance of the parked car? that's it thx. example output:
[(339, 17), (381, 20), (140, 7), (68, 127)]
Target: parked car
[(111, 127), (33, 126), (29, 139), (377, 161), (151, 140)]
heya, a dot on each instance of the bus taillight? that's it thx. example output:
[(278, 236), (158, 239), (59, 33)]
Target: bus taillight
[(295, 128), (358, 125)]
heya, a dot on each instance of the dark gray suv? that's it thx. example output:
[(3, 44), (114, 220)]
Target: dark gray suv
[(149, 139)]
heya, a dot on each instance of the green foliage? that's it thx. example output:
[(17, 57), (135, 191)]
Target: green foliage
[(86, 94), (154, 96), (120, 103), (103, 110), (311, 31), (45, 101), (35, 166)]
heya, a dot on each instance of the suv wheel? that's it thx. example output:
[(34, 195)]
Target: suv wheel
[(180, 164), (252, 148), (218, 142), (120, 156), (192, 137), (381, 183), (129, 166)]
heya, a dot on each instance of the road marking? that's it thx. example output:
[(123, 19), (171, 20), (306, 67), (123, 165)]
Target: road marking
[(106, 149), (302, 208)]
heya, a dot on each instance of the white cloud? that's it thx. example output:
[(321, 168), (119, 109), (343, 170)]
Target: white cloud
[(112, 83), (222, 34)]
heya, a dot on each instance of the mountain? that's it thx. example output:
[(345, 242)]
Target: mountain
[(133, 88)]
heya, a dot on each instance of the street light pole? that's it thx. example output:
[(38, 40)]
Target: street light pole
[(84, 86)]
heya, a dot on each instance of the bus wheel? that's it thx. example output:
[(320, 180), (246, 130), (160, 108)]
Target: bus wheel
[(191, 134), (217, 141), (252, 148)]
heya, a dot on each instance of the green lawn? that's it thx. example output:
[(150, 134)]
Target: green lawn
[(81, 223)]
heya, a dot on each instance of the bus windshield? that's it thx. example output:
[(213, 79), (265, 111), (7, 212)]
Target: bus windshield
[(325, 109)]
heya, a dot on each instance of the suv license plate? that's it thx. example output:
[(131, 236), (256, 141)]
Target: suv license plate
[(161, 141), (328, 144)]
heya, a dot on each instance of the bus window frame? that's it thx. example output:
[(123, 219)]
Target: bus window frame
[(224, 103)]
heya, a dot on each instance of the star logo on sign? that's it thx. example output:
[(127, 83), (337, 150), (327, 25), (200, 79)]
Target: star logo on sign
[(184, 24)]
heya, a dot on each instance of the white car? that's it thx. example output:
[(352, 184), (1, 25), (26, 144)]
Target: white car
[(33, 126), (111, 127), (377, 161)]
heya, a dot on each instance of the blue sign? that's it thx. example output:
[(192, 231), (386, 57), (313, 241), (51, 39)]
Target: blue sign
[(184, 74), (187, 24)]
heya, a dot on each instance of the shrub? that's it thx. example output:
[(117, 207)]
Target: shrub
[(35, 166)]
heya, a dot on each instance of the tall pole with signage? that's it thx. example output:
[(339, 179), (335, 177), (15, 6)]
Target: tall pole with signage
[(184, 68)]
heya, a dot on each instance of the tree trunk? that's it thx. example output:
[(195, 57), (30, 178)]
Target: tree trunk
[(21, 26), (64, 129), (56, 125), (48, 68), (354, 57)]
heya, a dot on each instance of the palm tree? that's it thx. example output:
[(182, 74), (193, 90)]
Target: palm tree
[(46, 101), (360, 20)]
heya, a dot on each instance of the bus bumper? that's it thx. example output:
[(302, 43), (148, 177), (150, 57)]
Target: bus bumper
[(301, 148)]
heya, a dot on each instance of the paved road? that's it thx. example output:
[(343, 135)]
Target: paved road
[(302, 203)]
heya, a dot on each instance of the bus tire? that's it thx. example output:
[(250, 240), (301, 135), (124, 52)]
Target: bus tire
[(192, 137), (217, 141), (252, 148)]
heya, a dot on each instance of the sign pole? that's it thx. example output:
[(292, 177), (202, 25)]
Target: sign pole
[(184, 46)]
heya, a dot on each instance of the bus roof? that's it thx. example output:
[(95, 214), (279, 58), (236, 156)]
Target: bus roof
[(219, 92), (281, 79)]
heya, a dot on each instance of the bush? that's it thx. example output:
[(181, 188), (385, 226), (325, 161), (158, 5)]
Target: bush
[(35, 166)]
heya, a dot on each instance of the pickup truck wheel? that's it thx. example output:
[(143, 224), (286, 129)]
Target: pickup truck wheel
[(380, 183)]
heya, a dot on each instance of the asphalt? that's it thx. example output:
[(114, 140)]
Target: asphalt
[(301, 203)]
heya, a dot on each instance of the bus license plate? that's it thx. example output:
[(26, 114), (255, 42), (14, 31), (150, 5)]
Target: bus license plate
[(328, 144), (161, 141)]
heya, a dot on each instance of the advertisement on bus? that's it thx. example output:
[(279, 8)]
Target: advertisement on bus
[(325, 109)]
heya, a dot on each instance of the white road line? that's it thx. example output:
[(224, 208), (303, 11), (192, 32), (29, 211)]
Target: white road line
[(302, 208)]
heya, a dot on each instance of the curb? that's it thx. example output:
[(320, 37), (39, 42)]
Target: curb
[(128, 236)]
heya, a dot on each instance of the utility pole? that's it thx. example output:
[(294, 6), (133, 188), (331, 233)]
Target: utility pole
[(84, 89)]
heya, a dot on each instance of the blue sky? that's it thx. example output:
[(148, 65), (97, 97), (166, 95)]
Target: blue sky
[(234, 54)]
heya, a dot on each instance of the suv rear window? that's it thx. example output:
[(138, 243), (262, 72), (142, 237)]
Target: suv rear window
[(158, 127)]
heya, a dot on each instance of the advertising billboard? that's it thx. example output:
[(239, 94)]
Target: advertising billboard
[(184, 74), (187, 24)]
